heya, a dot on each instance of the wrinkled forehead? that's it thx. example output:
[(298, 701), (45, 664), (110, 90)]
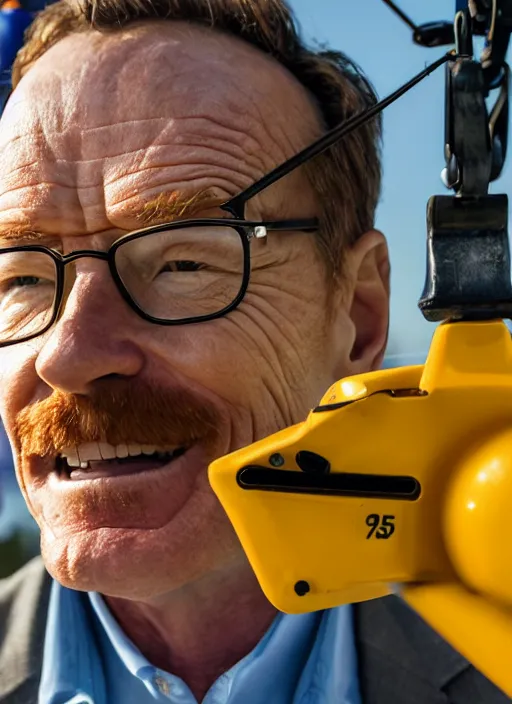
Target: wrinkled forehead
[(158, 71)]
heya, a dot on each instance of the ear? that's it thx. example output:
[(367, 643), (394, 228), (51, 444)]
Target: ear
[(367, 301)]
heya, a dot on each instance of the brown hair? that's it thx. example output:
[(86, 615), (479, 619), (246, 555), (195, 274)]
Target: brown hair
[(346, 178)]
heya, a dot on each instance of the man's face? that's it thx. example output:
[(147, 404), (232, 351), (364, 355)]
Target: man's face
[(102, 133)]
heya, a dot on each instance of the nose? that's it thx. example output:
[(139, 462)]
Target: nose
[(93, 338)]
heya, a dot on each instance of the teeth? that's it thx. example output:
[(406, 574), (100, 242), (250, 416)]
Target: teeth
[(89, 451), (93, 451), (108, 452), (122, 450), (72, 457)]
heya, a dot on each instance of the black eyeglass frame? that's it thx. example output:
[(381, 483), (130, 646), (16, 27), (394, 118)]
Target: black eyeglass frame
[(236, 209), (246, 230)]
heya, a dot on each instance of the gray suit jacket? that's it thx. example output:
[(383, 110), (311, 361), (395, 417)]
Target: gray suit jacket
[(401, 660)]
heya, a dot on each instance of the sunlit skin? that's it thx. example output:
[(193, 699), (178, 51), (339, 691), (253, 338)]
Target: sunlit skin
[(100, 126)]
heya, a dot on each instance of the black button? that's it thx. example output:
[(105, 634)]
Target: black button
[(302, 588), (312, 463)]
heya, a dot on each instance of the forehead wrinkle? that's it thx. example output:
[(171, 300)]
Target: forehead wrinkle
[(238, 110), (167, 58)]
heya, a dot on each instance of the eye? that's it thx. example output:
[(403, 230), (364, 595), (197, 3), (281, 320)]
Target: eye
[(181, 265), (21, 281)]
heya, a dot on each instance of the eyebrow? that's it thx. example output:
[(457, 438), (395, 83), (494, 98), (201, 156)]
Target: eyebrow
[(21, 234), (177, 206), (166, 207)]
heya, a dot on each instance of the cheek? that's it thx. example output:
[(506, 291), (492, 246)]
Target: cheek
[(19, 385), (19, 382), (269, 358)]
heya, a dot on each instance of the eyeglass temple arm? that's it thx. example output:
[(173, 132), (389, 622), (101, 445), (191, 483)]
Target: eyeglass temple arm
[(237, 204)]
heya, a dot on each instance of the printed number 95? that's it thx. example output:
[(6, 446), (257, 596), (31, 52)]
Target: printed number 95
[(381, 527)]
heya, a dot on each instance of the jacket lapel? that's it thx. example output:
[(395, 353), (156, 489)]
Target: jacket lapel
[(23, 608), (403, 661)]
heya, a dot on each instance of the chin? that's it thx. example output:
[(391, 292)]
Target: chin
[(143, 564), (131, 534)]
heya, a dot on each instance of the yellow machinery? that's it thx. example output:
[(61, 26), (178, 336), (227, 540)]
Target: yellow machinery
[(373, 491), (401, 480)]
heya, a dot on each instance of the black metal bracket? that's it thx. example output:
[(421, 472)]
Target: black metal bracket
[(468, 259), (468, 255), (468, 150), (475, 141)]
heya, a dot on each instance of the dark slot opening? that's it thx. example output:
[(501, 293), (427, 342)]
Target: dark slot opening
[(383, 486)]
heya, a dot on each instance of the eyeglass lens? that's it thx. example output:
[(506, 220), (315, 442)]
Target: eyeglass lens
[(183, 273)]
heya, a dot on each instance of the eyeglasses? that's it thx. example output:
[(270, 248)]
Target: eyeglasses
[(172, 274)]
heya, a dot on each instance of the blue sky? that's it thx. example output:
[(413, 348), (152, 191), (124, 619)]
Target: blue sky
[(371, 34)]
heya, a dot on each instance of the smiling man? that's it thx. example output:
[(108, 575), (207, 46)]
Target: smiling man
[(159, 310)]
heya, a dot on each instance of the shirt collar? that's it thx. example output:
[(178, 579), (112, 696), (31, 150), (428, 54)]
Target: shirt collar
[(274, 664), (307, 658), (72, 669)]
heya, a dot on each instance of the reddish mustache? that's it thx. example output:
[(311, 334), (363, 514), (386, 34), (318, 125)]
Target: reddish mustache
[(115, 414)]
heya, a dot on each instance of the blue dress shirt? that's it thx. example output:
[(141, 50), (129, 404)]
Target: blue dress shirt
[(305, 659)]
